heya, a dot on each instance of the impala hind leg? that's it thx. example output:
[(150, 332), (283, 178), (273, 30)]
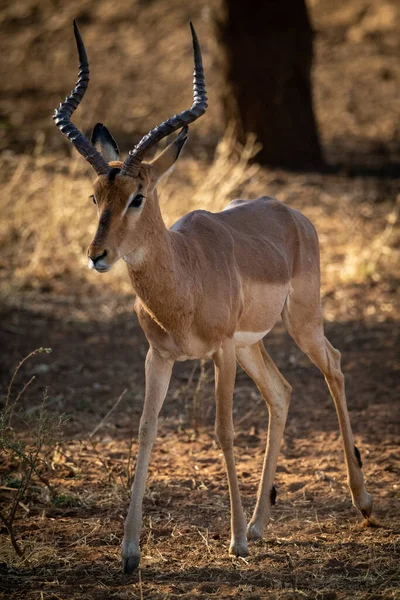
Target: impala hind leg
[(276, 391), (225, 374), (307, 331), (158, 374)]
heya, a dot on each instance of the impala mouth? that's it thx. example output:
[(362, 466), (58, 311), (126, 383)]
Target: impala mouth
[(102, 268), (99, 267)]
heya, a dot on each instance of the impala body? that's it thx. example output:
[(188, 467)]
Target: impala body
[(210, 287)]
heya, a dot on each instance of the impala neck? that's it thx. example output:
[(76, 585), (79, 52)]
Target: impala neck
[(159, 272)]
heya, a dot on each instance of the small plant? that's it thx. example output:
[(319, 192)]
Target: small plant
[(66, 501), (27, 457)]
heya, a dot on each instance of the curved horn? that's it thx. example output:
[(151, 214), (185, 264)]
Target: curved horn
[(63, 114), (198, 108)]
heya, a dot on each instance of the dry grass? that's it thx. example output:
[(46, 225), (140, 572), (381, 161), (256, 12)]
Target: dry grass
[(314, 547), (49, 221), (54, 219)]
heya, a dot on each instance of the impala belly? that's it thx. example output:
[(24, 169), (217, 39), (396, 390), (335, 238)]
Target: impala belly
[(248, 338), (262, 307)]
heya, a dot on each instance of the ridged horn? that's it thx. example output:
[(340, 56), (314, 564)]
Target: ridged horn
[(62, 115), (132, 163)]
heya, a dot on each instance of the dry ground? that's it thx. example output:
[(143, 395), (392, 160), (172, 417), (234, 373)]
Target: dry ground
[(315, 547)]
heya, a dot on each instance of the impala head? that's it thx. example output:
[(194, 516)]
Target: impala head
[(127, 205), (124, 192)]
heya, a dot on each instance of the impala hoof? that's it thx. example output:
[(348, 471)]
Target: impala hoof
[(130, 558), (254, 532), (365, 505), (239, 549)]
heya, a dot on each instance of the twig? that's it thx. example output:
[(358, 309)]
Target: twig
[(33, 353), (190, 381), (140, 585), (291, 571), (392, 576), (34, 409), (205, 539), (249, 413), (27, 384), (10, 530), (26, 481), (202, 379), (108, 414)]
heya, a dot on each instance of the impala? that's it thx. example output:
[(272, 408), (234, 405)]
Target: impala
[(212, 286)]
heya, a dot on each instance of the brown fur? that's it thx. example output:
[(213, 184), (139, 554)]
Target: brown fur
[(230, 256), (212, 286)]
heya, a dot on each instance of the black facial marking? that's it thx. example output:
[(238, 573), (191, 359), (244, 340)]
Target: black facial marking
[(272, 496), (358, 456), (104, 225), (113, 173), (105, 217)]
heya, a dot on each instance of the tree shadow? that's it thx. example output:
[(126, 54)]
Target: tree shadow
[(354, 157), (362, 157), (93, 361)]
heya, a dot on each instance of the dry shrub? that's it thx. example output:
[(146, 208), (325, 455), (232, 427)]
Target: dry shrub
[(24, 459)]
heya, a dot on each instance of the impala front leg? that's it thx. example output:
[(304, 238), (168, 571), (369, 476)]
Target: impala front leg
[(158, 374), (225, 373)]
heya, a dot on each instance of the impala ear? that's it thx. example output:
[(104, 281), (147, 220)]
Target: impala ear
[(166, 160), (104, 142)]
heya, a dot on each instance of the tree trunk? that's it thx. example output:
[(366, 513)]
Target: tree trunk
[(266, 51)]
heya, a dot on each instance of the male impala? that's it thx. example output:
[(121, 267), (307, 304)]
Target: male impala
[(210, 287)]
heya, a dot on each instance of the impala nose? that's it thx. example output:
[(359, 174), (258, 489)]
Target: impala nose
[(95, 260)]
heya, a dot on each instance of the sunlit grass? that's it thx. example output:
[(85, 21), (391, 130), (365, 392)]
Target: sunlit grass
[(49, 220)]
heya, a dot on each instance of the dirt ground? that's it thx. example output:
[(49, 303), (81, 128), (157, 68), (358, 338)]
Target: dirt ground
[(316, 546)]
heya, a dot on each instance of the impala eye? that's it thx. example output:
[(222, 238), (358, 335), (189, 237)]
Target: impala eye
[(93, 198), (137, 201)]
